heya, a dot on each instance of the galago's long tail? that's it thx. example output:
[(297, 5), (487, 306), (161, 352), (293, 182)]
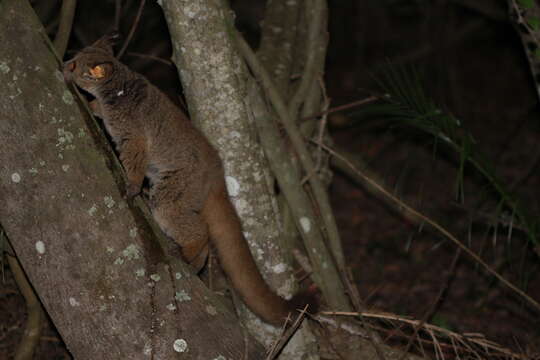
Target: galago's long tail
[(236, 259)]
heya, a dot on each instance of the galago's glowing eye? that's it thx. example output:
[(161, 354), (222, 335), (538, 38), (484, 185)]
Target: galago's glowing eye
[(97, 71)]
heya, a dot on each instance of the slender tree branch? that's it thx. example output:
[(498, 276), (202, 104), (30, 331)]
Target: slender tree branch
[(34, 324), (117, 13), (288, 176), (67, 13), (294, 135), (132, 30), (278, 32), (315, 11)]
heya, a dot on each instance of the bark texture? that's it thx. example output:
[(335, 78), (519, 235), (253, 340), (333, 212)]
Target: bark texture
[(100, 273)]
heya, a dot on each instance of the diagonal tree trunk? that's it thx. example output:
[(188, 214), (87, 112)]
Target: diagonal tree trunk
[(99, 270)]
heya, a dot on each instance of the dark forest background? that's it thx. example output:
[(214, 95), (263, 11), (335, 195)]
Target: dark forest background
[(468, 59)]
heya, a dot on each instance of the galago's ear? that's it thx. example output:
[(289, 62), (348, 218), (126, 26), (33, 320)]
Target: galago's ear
[(107, 42)]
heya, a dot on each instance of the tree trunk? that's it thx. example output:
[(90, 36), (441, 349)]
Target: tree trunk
[(104, 279), (215, 81)]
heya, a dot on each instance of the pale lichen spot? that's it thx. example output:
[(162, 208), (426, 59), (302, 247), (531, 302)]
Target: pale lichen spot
[(191, 10), (109, 201), (67, 97), (131, 252), (140, 272), (182, 295), (81, 133), (118, 261), (147, 350), (306, 224), (220, 357), (92, 211), (110, 249), (103, 308), (64, 137), (178, 276), (19, 92), (42, 162), (16, 177), (241, 206), (233, 187), (180, 345), (155, 277), (279, 268), (211, 310), (65, 167), (4, 68), (33, 171), (40, 247), (120, 93), (73, 302), (257, 176), (171, 307), (133, 232), (59, 76)]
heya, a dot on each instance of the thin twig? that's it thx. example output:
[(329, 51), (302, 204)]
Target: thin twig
[(286, 336), (132, 30), (322, 127), (324, 120), (436, 226), (359, 306), (150, 57), (67, 12), (465, 339), (353, 104), (117, 13), (433, 306)]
